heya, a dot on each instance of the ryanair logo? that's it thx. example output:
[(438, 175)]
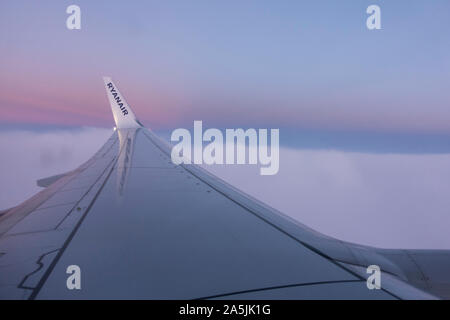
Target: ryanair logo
[(117, 98)]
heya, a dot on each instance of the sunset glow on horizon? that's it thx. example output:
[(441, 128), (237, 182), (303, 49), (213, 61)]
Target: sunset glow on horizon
[(305, 66)]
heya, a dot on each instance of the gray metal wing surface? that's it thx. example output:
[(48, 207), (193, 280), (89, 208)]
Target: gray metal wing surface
[(140, 227)]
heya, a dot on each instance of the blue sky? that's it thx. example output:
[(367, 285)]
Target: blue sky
[(297, 64), (311, 68)]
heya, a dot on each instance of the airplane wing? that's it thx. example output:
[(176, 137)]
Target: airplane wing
[(140, 227)]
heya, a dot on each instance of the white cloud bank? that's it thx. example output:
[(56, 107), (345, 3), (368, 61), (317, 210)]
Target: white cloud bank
[(385, 200), (27, 156)]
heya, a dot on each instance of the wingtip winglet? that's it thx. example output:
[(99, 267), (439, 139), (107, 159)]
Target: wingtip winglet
[(122, 113)]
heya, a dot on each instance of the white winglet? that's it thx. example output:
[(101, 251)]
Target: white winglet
[(123, 115)]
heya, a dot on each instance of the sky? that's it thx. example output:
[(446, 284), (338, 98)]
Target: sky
[(309, 65), (364, 115)]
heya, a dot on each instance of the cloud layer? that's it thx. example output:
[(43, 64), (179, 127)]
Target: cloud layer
[(385, 200), (28, 156)]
